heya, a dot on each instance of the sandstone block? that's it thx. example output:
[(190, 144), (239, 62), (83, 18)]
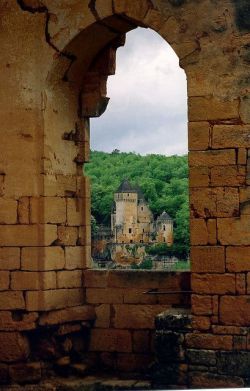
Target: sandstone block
[(26, 372), (75, 257), (27, 321), (198, 136), (23, 210), (212, 158), (153, 19), (234, 231), (138, 296), (8, 211), (48, 210), (238, 259), (72, 314), (242, 156), (198, 232), (244, 109), (202, 357), (14, 347), (231, 136), (76, 211), (33, 280), (129, 316), (4, 280), (95, 278), (11, 301), (209, 341), (213, 283), (53, 299), (241, 284), (208, 259), (245, 194), (85, 235), (202, 305), (235, 310), (204, 108), (228, 176), (214, 202), (104, 295), (59, 185), (201, 322), (103, 314), (28, 235), (110, 340), (42, 258), (9, 258), (69, 279), (141, 341), (133, 10), (212, 231), (212, 380), (67, 236), (133, 362), (199, 177)]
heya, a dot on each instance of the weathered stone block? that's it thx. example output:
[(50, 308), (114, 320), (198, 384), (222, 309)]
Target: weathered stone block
[(104, 295), (201, 322), (234, 231), (59, 185), (8, 211), (208, 259), (67, 236), (235, 310), (209, 341), (212, 158), (23, 210), (14, 347), (236, 363), (26, 372), (110, 340), (33, 280), (27, 321), (228, 176), (129, 316), (9, 258), (42, 258), (204, 108), (231, 136), (11, 300), (73, 314), (53, 299), (4, 280), (103, 314), (75, 257), (202, 305), (69, 279), (198, 135), (199, 177), (198, 232), (214, 202), (201, 357), (48, 210), (212, 380), (238, 259), (76, 211), (27, 235), (213, 283)]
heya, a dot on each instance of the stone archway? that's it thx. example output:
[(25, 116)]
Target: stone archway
[(45, 232)]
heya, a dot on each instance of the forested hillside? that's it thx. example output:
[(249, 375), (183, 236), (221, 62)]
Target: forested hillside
[(164, 181)]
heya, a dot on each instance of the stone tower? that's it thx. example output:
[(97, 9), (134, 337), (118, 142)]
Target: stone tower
[(164, 228), (131, 220)]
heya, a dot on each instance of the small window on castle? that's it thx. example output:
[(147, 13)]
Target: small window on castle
[(143, 230), (142, 208), (131, 241), (130, 230), (164, 227)]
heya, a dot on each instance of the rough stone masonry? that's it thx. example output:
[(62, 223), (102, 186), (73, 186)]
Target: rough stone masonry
[(56, 57)]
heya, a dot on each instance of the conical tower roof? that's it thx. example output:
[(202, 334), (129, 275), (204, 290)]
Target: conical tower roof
[(164, 217), (126, 187)]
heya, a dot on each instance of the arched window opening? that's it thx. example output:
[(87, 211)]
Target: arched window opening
[(139, 168)]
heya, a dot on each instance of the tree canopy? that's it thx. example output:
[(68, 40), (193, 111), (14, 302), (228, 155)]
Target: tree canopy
[(163, 180)]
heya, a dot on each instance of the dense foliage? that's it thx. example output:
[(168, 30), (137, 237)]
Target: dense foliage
[(164, 181)]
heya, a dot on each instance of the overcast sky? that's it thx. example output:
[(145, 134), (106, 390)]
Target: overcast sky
[(147, 112)]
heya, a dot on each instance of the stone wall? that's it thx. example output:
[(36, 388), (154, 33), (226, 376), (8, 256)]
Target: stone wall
[(55, 62), (113, 330)]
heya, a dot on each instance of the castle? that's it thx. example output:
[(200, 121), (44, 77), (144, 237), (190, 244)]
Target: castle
[(132, 220), (133, 227)]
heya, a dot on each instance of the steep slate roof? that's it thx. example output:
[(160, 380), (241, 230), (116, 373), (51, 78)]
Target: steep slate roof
[(164, 217), (126, 187)]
